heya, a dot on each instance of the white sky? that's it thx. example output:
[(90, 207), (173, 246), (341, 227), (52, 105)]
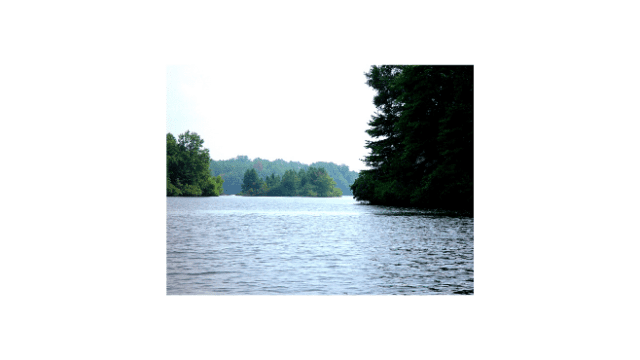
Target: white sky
[(296, 111)]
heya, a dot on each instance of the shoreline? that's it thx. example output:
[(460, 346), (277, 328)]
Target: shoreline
[(298, 196)]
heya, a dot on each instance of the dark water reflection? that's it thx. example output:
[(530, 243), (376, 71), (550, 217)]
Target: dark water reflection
[(240, 245)]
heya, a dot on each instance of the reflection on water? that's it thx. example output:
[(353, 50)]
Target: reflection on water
[(315, 246)]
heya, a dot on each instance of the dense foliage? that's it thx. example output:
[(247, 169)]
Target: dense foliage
[(423, 129), (310, 182), (233, 170), (188, 167)]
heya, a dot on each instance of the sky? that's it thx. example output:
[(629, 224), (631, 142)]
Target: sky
[(296, 111)]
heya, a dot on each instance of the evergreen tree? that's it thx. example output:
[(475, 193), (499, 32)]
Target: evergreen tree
[(290, 183), (422, 154), (251, 183), (232, 171)]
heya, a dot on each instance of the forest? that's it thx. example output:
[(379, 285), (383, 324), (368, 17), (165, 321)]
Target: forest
[(233, 170), (190, 172), (188, 167), (422, 152), (421, 155), (313, 182)]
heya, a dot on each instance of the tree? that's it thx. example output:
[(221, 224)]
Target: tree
[(258, 165), (188, 167), (172, 190), (212, 186), (194, 158), (314, 182), (191, 190), (251, 183), (290, 183), (232, 171), (172, 159), (325, 184), (273, 180), (423, 126)]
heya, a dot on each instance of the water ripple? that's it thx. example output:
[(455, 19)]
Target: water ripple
[(236, 245)]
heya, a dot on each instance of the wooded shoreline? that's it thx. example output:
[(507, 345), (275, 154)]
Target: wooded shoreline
[(421, 155)]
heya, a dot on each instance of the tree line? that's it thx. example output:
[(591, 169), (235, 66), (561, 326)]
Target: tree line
[(188, 167), (422, 154), (232, 171), (313, 181)]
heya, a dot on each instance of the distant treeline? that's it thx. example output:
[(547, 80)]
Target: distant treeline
[(233, 171), (310, 182), (187, 167), (422, 154)]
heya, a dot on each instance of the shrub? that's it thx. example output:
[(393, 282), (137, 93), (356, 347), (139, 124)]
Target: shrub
[(191, 190), (172, 190)]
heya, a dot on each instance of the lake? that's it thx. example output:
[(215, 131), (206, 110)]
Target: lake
[(233, 245)]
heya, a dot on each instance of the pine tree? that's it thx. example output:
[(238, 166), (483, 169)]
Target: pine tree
[(423, 126)]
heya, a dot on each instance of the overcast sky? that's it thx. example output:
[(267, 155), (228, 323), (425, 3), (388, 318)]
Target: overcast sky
[(303, 112)]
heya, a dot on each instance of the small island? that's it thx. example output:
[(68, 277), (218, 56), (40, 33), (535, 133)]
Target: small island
[(314, 182)]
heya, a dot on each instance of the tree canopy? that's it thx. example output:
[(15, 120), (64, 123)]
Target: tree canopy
[(422, 154), (188, 167), (232, 171), (314, 182)]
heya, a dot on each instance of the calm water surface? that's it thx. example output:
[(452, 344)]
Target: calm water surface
[(233, 245)]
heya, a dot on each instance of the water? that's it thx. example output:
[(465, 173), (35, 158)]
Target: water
[(233, 245)]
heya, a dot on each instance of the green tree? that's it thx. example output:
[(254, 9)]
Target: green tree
[(172, 190), (188, 167), (273, 180), (251, 183), (290, 183), (194, 158), (172, 160), (232, 171), (324, 183), (303, 178), (422, 154), (212, 186), (191, 190)]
